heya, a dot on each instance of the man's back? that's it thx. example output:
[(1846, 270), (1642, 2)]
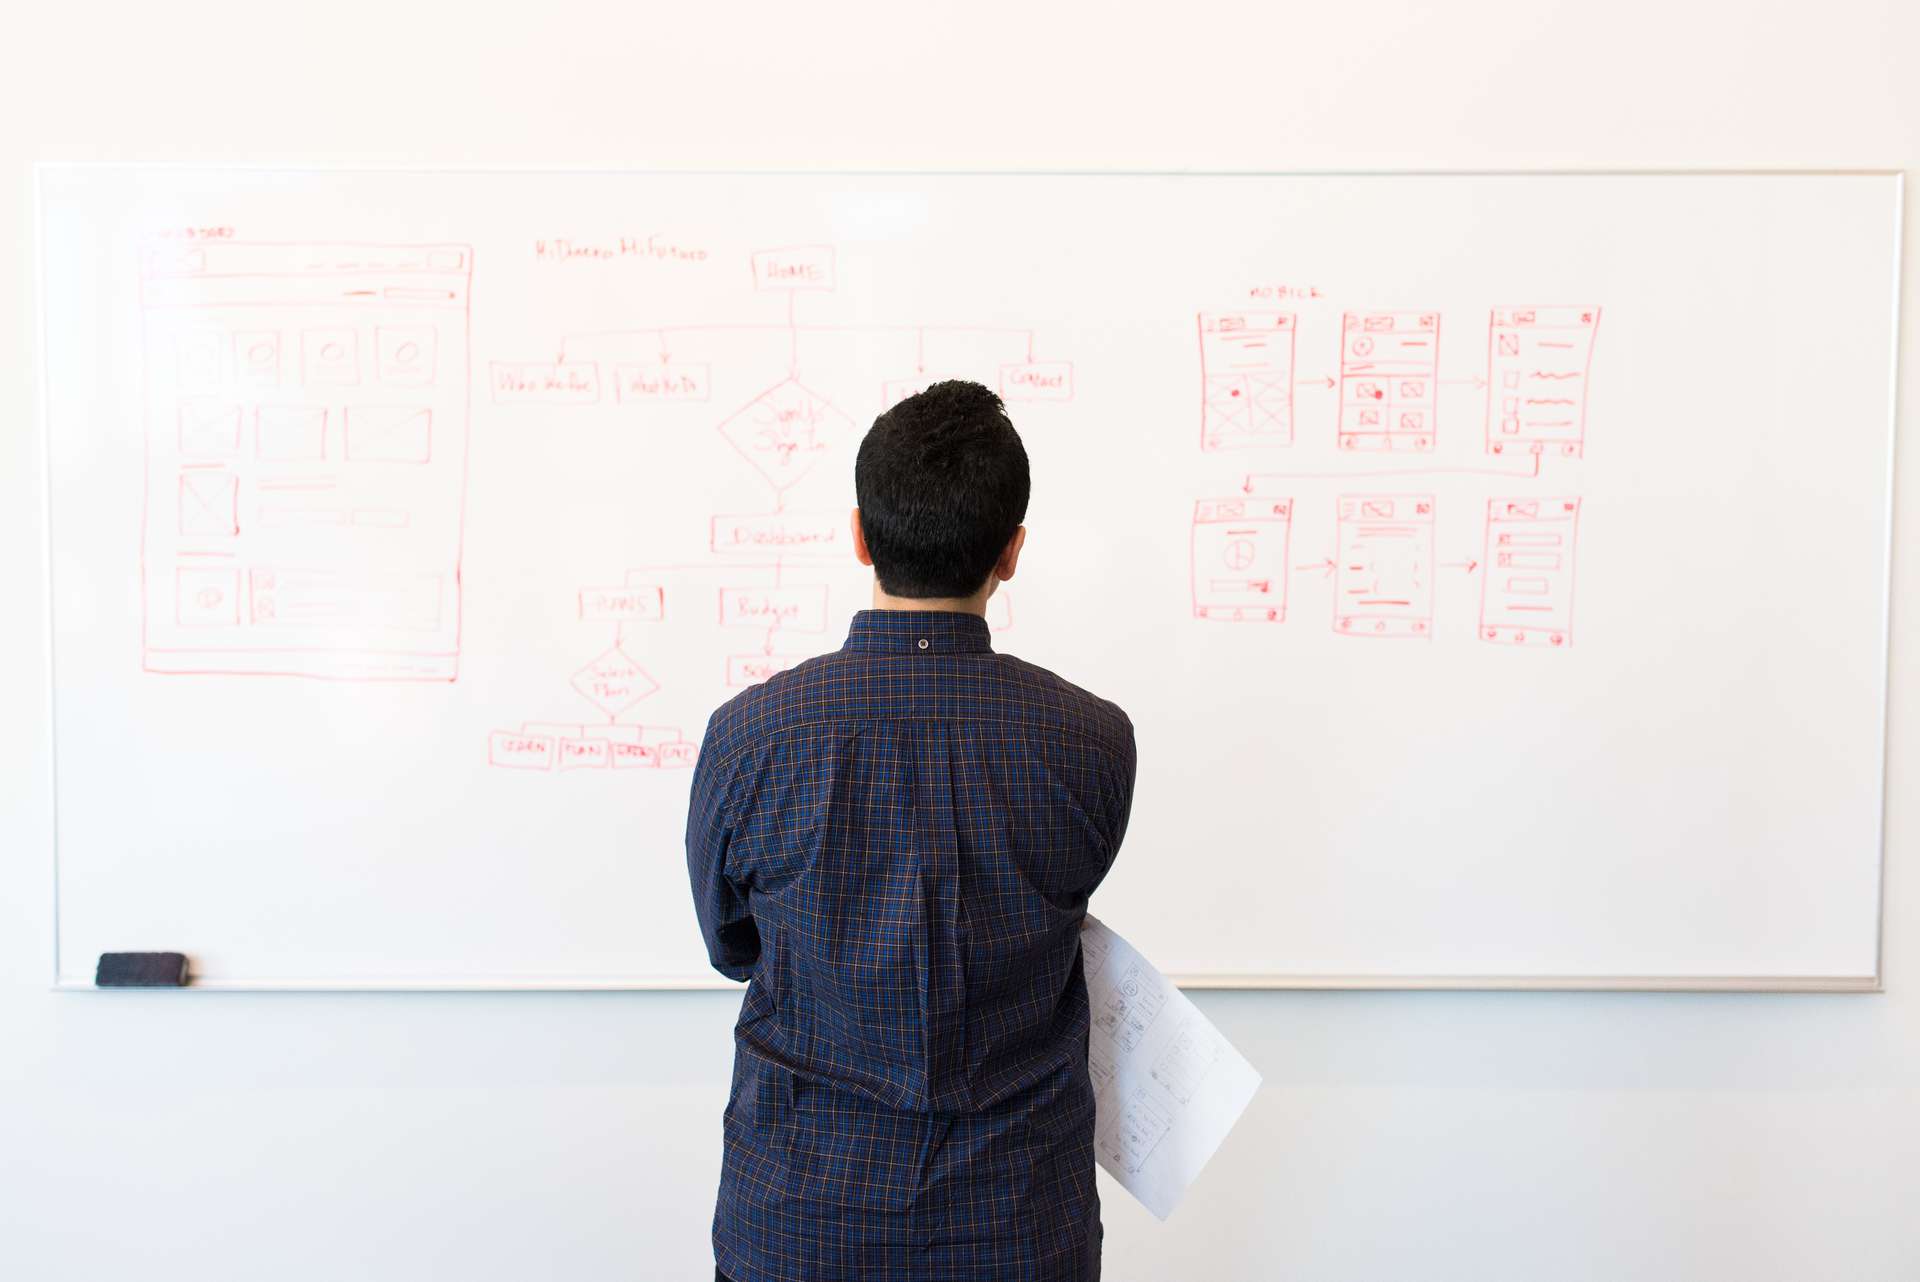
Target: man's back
[(895, 843)]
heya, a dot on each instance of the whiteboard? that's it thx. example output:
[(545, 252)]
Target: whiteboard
[(1494, 566)]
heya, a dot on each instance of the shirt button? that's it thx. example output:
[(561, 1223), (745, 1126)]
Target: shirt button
[(923, 643)]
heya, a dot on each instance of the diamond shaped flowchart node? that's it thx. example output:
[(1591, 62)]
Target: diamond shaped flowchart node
[(614, 682), (784, 431)]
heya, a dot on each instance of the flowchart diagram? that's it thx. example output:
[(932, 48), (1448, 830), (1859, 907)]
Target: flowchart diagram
[(1392, 413), (765, 586)]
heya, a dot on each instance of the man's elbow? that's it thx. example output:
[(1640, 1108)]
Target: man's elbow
[(735, 950), (735, 963)]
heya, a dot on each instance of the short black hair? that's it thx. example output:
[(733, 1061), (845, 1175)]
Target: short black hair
[(942, 483)]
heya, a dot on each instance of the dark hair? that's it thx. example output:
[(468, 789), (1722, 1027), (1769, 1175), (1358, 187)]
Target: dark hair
[(942, 483)]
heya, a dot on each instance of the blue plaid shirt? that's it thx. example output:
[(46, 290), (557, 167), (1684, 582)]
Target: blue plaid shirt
[(894, 843)]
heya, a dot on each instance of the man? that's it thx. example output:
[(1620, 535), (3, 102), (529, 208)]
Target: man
[(894, 843)]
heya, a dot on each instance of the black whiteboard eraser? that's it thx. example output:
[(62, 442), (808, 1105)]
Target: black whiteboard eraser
[(141, 970)]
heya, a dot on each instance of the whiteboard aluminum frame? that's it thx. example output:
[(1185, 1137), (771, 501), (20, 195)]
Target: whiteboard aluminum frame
[(1271, 981)]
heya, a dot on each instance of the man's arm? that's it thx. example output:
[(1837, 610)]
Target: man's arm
[(1122, 773), (726, 922)]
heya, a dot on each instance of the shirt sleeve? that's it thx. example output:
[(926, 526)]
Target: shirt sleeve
[(1123, 771), (722, 904)]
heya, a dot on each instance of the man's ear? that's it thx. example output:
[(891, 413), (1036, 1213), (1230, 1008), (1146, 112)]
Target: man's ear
[(860, 552), (1010, 555)]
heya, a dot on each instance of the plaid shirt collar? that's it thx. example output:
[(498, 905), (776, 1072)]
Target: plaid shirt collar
[(918, 632)]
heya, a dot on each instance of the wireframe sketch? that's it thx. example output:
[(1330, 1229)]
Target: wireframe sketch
[(306, 425), (1184, 1062), (1538, 360), (1238, 557), (1384, 569), (1099, 1065), (1130, 1010), (1526, 594), (1132, 1134), (1389, 380), (1246, 379)]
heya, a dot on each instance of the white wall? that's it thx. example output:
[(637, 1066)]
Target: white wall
[(507, 1136)]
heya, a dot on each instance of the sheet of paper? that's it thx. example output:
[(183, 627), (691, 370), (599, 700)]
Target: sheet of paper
[(1167, 1086)]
